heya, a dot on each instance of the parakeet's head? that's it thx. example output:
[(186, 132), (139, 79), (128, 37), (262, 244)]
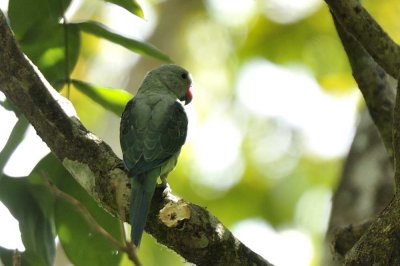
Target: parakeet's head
[(174, 78)]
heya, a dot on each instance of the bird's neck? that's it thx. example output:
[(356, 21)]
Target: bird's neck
[(155, 86), (155, 95)]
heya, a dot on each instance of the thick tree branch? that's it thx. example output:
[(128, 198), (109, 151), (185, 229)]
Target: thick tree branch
[(366, 187), (359, 23), (380, 244), (379, 94), (396, 140), (186, 228), (345, 238), (365, 44)]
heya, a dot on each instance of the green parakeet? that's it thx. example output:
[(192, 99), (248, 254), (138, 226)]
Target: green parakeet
[(152, 132)]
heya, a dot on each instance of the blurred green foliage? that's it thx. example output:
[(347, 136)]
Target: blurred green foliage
[(287, 192)]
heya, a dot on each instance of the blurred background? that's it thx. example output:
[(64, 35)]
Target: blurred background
[(274, 113)]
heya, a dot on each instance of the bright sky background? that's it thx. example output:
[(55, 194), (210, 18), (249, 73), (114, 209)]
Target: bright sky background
[(292, 95), (286, 247), (289, 11), (289, 94)]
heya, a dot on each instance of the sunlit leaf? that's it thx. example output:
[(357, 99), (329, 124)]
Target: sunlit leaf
[(36, 229), (136, 46), (130, 5), (51, 46), (111, 99), (51, 56)]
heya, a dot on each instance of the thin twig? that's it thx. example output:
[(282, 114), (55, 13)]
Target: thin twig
[(129, 249), (66, 53), (16, 259)]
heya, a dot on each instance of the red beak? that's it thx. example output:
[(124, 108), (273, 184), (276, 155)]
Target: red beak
[(188, 96)]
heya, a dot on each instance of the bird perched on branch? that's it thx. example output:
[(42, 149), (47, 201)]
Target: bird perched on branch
[(152, 131)]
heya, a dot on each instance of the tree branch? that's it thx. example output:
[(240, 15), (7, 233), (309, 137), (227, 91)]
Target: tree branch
[(366, 187), (379, 245), (359, 23), (373, 82), (197, 235), (366, 43), (129, 249), (396, 140), (345, 238)]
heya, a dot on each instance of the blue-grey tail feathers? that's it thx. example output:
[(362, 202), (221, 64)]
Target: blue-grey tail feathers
[(142, 193)]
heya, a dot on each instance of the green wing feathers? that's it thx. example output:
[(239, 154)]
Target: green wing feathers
[(150, 136)]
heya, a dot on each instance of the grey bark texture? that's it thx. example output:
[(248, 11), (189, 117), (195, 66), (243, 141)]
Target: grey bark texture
[(366, 203)]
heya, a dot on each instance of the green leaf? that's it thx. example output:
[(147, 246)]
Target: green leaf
[(52, 47), (6, 256), (130, 5), (82, 245), (73, 229), (111, 99), (24, 14), (31, 203), (15, 138), (49, 54), (36, 229), (9, 106), (136, 46)]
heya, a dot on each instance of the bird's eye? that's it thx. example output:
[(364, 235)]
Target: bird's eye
[(184, 75)]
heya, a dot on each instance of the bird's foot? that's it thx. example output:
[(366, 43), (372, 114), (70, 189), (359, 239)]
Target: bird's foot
[(164, 183), (162, 190)]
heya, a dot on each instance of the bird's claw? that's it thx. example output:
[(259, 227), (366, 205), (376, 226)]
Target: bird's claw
[(164, 183)]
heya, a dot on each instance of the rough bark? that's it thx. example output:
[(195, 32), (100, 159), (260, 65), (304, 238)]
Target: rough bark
[(377, 88), (365, 188), (358, 22), (195, 234), (365, 43)]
